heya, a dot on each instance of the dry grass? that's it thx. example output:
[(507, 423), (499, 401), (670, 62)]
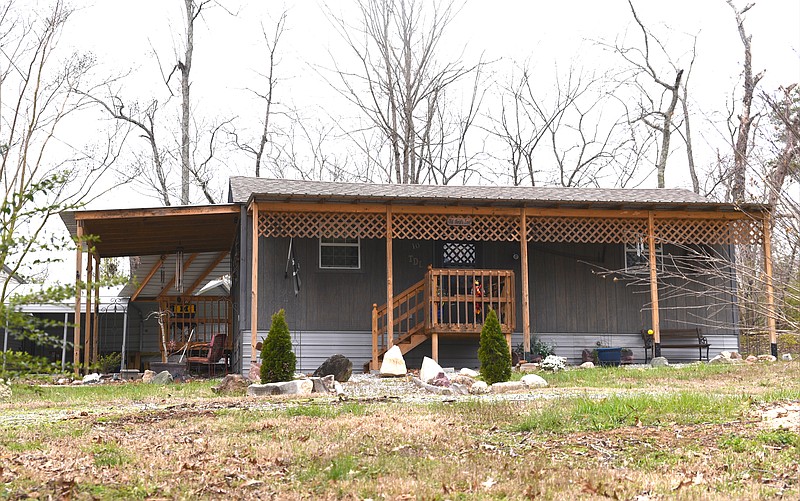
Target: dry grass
[(322, 449)]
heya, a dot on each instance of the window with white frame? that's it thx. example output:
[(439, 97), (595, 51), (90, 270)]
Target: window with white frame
[(340, 253), (637, 257)]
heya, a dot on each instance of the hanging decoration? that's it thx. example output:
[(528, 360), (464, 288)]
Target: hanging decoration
[(179, 270)]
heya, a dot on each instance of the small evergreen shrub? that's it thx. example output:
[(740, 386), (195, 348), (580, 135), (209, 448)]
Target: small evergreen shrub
[(493, 352), (278, 362)]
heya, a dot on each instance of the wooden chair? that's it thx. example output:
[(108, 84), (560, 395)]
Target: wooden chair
[(216, 352)]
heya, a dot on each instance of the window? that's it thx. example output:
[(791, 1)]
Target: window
[(459, 255), (340, 253), (637, 257)]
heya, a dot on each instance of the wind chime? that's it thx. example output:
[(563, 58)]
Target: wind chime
[(179, 270)]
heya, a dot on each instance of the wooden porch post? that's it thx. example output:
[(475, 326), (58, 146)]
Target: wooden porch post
[(651, 243), (254, 287), (435, 347), (76, 330), (523, 256), (87, 340), (96, 324), (389, 281), (375, 337), (766, 223)]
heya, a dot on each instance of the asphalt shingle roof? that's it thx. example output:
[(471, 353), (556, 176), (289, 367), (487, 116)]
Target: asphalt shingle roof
[(242, 188)]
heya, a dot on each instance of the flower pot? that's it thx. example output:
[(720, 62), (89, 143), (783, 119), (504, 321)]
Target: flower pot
[(609, 356)]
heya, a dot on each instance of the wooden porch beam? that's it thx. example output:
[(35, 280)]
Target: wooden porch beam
[(186, 264), (254, 285), (389, 281), (149, 276), (207, 272), (651, 242), (523, 256), (157, 211), (767, 248), (76, 330)]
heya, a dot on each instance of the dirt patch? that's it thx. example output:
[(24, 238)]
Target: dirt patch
[(785, 416)]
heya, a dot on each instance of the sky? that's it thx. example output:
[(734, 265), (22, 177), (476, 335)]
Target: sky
[(550, 36)]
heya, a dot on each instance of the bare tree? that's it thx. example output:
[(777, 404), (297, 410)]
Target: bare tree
[(743, 137), (41, 172), (399, 82)]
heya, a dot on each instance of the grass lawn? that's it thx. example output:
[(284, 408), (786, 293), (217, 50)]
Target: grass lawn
[(690, 433)]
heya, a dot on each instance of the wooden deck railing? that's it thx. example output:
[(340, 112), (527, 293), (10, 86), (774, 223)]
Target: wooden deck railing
[(447, 301)]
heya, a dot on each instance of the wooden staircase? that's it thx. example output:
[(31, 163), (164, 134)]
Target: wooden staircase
[(446, 301)]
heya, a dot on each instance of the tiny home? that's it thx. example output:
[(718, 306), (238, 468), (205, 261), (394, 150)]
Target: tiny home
[(359, 268)]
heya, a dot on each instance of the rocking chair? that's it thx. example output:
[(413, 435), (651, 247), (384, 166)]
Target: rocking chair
[(216, 351)]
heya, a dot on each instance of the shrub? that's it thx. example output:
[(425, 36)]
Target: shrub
[(493, 352), (277, 359)]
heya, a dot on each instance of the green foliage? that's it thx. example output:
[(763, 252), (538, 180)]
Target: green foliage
[(20, 363), (278, 362), (541, 348), (493, 352), (108, 363)]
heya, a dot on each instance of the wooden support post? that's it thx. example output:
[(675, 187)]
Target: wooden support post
[(254, 287), (435, 347), (389, 282), (651, 243), (523, 256), (767, 248), (76, 330), (508, 342), (87, 340), (375, 337), (96, 309)]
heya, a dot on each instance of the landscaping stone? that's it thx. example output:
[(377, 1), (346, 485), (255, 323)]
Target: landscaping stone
[(439, 390), (163, 377), (129, 374), (533, 380), (148, 376), (324, 384), (463, 380), (587, 365), (786, 357), (751, 359), (337, 365), (429, 370), (767, 358), (459, 389), (255, 372), (296, 387), (5, 390), (554, 363), (232, 383), (479, 388), (528, 367), (469, 372), (441, 380), (338, 389), (659, 362), (93, 378), (507, 386), (393, 363)]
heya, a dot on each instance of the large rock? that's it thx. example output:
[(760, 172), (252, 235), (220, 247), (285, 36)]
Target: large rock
[(148, 376), (533, 380), (324, 384), (93, 378), (441, 379), (587, 365), (296, 387), (529, 367), (767, 358), (659, 362), (232, 383), (337, 365), (727, 357), (463, 380), (163, 377), (751, 359), (479, 388), (786, 357), (429, 370), (507, 386), (393, 363), (439, 390), (469, 372)]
